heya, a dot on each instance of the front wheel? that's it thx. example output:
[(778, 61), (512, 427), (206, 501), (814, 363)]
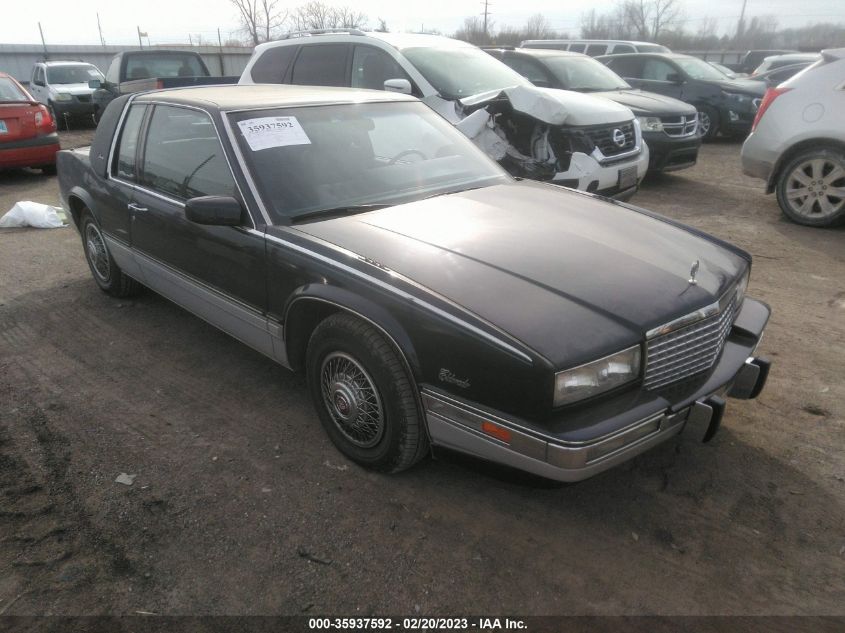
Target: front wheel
[(364, 396), (811, 188), (708, 122), (108, 275)]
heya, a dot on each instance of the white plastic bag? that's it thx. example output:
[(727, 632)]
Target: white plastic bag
[(26, 213)]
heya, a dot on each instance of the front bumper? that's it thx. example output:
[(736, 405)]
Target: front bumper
[(520, 444), (669, 153), (73, 108), (586, 173), (736, 121)]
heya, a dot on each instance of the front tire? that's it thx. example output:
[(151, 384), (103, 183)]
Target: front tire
[(364, 397), (811, 188), (108, 275), (708, 122)]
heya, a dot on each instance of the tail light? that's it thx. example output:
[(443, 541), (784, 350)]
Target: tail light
[(768, 99), (159, 84), (43, 121)]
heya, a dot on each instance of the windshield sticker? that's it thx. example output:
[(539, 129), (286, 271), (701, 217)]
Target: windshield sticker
[(274, 131)]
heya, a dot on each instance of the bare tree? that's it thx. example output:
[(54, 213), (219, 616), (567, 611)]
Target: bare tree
[(382, 26), (473, 31), (319, 15), (649, 19), (259, 18), (537, 28)]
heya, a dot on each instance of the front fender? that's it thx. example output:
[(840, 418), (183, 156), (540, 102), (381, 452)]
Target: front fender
[(297, 316)]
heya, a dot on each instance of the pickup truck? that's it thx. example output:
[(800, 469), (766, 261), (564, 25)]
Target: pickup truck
[(139, 71), (428, 297)]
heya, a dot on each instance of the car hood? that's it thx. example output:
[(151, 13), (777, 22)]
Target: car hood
[(748, 86), (555, 107), (647, 103), (570, 275), (74, 89)]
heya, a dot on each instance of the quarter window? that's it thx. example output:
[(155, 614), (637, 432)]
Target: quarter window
[(321, 65), (273, 64), (577, 48), (594, 50), (124, 166), (183, 157), (618, 49)]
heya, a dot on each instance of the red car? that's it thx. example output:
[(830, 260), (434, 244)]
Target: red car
[(28, 135)]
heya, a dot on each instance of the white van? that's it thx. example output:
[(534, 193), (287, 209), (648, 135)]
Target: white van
[(594, 48)]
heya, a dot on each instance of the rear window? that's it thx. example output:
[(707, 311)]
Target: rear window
[(169, 65), (9, 91), (273, 64)]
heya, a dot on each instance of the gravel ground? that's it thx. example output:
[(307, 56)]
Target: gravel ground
[(240, 505)]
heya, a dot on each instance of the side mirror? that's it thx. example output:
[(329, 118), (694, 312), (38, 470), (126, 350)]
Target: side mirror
[(398, 85), (214, 211), (95, 84), (674, 78)]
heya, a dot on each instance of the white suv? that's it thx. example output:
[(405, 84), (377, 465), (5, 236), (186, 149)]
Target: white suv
[(63, 87), (571, 139), (797, 143)]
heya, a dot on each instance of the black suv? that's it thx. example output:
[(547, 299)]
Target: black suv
[(669, 126), (724, 105)]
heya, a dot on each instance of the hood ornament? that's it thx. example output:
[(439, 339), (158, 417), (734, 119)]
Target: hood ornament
[(693, 271)]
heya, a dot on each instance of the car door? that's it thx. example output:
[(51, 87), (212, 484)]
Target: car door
[(663, 77), (217, 272)]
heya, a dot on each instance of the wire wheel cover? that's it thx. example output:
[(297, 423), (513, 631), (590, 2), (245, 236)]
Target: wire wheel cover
[(352, 400)]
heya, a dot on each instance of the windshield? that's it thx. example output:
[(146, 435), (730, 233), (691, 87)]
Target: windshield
[(9, 91), (80, 74), (584, 74), (458, 72), (164, 65), (308, 159), (698, 69)]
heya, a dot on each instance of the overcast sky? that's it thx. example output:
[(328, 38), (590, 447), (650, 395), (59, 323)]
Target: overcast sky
[(170, 21)]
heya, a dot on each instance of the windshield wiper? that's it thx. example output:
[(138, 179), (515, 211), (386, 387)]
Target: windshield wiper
[(336, 212)]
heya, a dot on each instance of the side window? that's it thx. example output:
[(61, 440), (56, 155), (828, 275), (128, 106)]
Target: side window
[(183, 157), (577, 48), (124, 160), (594, 50), (657, 70), (618, 49), (529, 69), (39, 75), (627, 67), (371, 67), (321, 65), (273, 64), (113, 73)]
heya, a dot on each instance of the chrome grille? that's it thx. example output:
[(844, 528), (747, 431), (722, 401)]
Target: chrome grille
[(688, 350), (603, 138), (677, 126)]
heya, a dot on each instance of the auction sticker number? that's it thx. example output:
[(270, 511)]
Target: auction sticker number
[(274, 131)]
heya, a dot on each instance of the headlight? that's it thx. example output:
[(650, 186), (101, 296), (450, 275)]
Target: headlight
[(742, 286), (63, 96), (737, 97), (594, 378), (650, 123)]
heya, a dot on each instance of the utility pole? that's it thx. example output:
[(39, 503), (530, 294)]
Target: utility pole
[(140, 43), (486, 13), (100, 29), (190, 39), (740, 27), (43, 43)]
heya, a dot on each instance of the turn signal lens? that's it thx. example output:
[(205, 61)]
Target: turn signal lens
[(499, 432)]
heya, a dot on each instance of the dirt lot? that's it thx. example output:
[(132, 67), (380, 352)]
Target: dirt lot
[(241, 505)]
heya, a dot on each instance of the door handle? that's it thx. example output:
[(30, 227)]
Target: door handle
[(134, 207)]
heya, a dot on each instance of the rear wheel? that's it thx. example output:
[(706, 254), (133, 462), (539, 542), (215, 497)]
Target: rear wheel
[(811, 188), (105, 271), (708, 122), (364, 397)]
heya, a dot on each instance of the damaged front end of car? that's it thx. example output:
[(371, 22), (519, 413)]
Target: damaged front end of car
[(532, 134)]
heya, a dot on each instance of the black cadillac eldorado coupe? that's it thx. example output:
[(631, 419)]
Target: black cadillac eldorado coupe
[(429, 297)]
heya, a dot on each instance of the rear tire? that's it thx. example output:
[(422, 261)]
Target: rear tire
[(104, 269), (363, 395), (811, 188)]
